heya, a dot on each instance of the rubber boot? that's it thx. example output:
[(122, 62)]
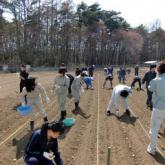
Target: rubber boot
[(63, 115), (45, 119), (31, 125), (76, 105)]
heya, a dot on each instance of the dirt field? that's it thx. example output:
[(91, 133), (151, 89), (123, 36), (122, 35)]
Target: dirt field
[(87, 142)]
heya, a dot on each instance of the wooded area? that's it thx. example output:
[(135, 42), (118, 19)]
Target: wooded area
[(49, 32)]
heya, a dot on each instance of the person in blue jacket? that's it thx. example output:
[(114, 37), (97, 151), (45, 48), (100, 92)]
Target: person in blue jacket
[(42, 148), (121, 75), (88, 81)]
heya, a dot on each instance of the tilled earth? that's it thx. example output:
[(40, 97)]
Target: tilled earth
[(87, 142)]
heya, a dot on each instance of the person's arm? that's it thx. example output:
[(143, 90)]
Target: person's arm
[(152, 86), (116, 98), (54, 149), (67, 82), (43, 91), (30, 147), (144, 78)]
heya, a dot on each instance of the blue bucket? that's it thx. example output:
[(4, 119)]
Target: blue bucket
[(69, 122), (24, 110)]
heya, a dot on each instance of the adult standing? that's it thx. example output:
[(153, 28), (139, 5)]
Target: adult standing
[(150, 75), (61, 85), (157, 86), (23, 76)]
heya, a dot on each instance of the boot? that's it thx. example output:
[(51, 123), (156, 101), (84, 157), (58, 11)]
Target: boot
[(63, 115), (76, 105), (31, 125), (45, 119)]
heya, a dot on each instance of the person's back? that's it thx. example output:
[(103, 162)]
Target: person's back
[(158, 91)]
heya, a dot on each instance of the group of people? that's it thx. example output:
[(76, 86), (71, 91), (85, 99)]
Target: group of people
[(42, 147), (155, 88)]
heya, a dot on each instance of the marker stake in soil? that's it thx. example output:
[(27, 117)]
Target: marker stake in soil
[(98, 118), (109, 156)]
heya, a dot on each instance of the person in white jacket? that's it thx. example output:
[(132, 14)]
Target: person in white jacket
[(77, 88), (119, 94), (34, 93), (61, 85)]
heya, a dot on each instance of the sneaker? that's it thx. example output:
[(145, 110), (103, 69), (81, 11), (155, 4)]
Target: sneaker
[(128, 112), (117, 114), (151, 152), (108, 113)]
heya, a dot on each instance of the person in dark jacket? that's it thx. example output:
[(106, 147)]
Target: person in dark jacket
[(91, 70), (23, 76), (42, 148), (150, 75), (136, 70), (135, 80)]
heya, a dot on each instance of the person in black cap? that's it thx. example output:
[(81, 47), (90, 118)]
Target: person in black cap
[(23, 76), (61, 85), (150, 75), (42, 147)]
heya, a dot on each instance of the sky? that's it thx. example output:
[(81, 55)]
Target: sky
[(136, 12)]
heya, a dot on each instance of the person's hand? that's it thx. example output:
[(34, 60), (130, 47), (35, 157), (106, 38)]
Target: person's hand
[(47, 100), (48, 155)]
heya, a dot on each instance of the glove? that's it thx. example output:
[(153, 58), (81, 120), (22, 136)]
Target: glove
[(47, 100), (49, 156)]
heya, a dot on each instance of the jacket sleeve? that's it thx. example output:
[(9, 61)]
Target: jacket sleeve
[(54, 149), (42, 91), (67, 82), (152, 86), (144, 78), (29, 150)]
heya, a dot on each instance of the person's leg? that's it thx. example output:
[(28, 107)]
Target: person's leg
[(76, 99), (150, 99), (62, 104), (31, 161), (39, 105), (156, 119), (140, 85), (133, 83), (111, 103), (32, 114), (147, 102)]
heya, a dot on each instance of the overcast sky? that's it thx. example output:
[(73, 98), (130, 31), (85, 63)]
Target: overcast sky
[(136, 12)]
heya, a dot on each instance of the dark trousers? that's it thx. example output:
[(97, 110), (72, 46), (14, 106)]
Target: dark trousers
[(36, 161), (90, 74), (135, 81), (136, 72), (149, 98), (121, 79)]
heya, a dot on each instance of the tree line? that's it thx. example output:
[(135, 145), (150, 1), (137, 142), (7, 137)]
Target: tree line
[(49, 32)]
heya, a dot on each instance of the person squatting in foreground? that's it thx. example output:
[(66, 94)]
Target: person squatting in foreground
[(157, 86), (34, 92), (61, 85), (119, 94), (77, 88), (108, 77), (150, 75), (42, 148)]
